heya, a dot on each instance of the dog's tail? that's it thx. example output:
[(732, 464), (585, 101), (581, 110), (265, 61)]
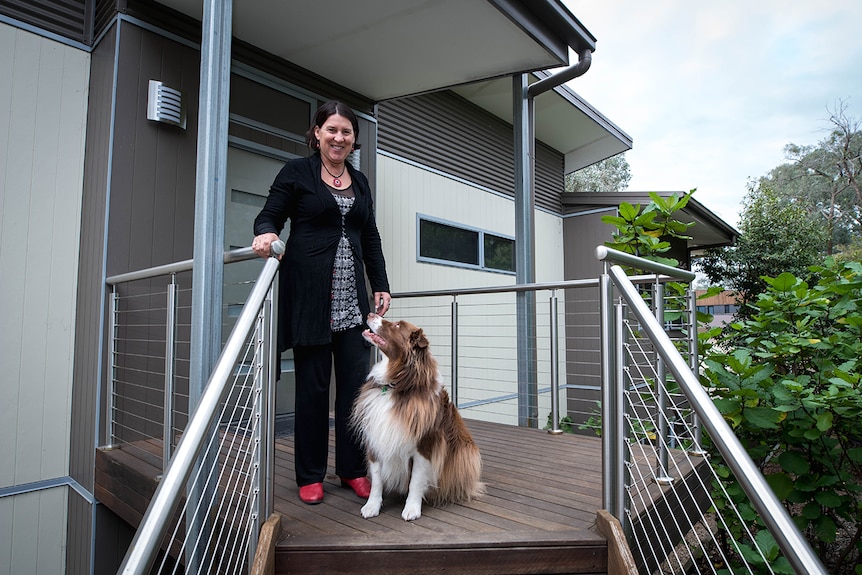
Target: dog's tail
[(460, 478)]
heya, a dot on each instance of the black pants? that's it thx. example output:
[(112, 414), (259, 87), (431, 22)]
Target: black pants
[(313, 366)]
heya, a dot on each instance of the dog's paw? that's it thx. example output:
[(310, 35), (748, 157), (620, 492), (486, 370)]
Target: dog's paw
[(371, 509), (411, 511)]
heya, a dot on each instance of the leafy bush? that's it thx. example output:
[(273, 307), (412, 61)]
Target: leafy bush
[(647, 232), (789, 385)]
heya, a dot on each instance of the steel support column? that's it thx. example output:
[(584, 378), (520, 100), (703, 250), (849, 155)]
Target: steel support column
[(525, 250), (208, 271)]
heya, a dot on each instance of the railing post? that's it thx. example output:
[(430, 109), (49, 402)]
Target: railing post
[(618, 419), (112, 354), (170, 365), (612, 453), (261, 360), (662, 476), (694, 364), (454, 335), (555, 367), (273, 361)]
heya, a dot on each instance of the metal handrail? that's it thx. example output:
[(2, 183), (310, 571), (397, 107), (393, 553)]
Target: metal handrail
[(606, 254), (232, 256), (788, 537), (146, 542)]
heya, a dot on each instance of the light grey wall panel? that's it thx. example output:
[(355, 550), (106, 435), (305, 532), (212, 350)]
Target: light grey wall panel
[(43, 104)]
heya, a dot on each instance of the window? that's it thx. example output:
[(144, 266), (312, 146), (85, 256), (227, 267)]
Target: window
[(451, 244)]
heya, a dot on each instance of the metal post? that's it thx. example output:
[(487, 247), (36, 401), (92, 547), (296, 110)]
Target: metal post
[(525, 265), (555, 367), (694, 364), (112, 353), (170, 366), (262, 362), (454, 335), (272, 375), (618, 420), (662, 476), (610, 453), (208, 273)]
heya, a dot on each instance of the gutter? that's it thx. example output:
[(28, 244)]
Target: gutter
[(585, 59)]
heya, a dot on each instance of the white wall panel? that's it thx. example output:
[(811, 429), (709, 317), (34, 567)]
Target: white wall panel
[(43, 106)]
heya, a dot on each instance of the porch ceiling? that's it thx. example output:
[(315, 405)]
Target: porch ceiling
[(383, 49)]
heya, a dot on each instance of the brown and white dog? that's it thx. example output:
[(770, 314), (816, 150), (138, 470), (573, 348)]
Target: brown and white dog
[(416, 441)]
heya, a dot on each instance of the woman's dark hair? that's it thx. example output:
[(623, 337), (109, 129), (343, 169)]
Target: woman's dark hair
[(323, 112)]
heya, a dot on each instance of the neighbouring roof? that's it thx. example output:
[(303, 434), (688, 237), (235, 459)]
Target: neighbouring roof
[(709, 229)]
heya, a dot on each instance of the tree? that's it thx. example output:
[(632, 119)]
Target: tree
[(826, 179), (610, 175), (777, 235), (789, 381)]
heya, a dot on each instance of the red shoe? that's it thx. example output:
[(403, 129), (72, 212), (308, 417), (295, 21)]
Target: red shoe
[(360, 485), (311, 494)]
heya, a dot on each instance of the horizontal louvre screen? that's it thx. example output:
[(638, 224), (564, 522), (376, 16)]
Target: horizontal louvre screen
[(62, 17)]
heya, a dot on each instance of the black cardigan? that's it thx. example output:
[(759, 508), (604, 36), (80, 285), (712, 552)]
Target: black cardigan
[(305, 278)]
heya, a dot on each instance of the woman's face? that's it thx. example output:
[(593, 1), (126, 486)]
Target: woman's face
[(336, 138)]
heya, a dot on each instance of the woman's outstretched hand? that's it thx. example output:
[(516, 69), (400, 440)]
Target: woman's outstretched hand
[(382, 300)]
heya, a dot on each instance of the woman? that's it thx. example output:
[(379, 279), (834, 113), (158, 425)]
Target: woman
[(323, 300)]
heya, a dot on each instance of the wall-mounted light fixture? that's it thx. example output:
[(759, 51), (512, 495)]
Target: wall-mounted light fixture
[(165, 104)]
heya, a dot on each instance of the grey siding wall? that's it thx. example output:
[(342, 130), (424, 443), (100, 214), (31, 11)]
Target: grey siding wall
[(446, 132), (88, 332), (581, 235)]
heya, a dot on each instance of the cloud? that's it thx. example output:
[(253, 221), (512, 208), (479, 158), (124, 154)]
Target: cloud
[(711, 94)]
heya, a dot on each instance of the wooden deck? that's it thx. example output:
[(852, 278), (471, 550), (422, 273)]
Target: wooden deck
[(538, 515)]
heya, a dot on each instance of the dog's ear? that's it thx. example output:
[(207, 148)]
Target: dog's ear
[(418, 339)]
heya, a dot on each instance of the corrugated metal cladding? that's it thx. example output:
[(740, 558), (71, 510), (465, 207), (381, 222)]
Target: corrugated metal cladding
[(105, 12), (64, 17), (446, 132)]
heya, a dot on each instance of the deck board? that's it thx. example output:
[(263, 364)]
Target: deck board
[(537, 516)]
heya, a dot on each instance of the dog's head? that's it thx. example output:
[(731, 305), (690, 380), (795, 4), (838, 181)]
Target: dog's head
[(396, 339)]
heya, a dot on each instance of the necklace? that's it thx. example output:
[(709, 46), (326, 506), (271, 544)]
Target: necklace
[(336, 180)]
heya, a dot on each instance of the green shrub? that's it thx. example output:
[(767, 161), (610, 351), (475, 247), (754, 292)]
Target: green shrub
[(788, 382)]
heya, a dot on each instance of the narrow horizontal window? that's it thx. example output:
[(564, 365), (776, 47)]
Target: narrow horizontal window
[(450, 244), (443, 242)]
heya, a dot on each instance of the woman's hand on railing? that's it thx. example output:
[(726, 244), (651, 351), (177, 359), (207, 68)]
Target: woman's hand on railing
[(262, 245)]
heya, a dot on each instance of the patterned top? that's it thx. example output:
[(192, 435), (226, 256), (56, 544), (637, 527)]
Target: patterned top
[(345, 300)]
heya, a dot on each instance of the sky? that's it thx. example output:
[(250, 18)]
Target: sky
[(711, 93)]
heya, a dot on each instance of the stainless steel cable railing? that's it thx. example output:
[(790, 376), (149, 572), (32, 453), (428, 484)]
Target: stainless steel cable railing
[(628, 322), (597, 341), (222, 463)]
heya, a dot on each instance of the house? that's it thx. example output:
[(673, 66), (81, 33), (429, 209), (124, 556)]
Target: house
[(93, 187), (722, 306), (583, 231)]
